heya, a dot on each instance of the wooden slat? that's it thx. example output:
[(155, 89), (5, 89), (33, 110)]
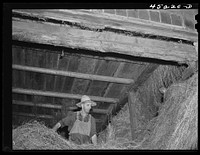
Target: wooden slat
[(29, 31), (72, 67), (61, 95), (28, 75), (128, 70), (86, 66), (41, 116), (49, 64), (107, 69), (101, 111), (32, 115), (73, 74), (101, 21), (48, 105)]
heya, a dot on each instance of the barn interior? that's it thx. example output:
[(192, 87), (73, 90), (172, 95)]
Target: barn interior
[(119, 58)]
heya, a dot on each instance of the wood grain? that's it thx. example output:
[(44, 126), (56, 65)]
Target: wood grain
[(102, 41)]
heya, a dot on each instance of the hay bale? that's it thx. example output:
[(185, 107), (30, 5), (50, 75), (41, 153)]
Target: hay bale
[(35, 135)]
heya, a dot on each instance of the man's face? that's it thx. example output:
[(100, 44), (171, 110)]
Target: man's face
[(86, 107)]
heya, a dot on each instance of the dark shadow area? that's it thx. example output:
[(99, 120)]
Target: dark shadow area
[(63, 132)]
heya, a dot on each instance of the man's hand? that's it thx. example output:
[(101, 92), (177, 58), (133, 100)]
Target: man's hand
[(94, 139), (55, 128)]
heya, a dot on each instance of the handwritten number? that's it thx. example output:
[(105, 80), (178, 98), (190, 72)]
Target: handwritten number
[(171, 6), (166, 7), (189, 6), (152, 6)]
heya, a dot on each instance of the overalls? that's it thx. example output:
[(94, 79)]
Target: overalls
[(80, 132)]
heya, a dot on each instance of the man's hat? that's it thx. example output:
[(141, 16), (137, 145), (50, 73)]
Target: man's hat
[(85, 98)]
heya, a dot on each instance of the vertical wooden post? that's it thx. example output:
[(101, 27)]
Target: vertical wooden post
[(132, 113)]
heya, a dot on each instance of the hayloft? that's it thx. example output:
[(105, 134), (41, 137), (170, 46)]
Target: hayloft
[(125, 60)]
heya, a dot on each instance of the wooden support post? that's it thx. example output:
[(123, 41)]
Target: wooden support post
[(132, 113)]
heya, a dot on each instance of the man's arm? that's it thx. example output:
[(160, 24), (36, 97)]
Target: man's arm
[(65, 121), (94, 139), (55, 128), (93, 131)]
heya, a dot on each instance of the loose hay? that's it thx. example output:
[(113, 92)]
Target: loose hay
[(36, 136), (176, 126)]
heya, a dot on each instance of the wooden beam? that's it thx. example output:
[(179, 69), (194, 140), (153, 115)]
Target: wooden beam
[(40, 116), (101, 21), (47, 105), (95, 110), (133, 87), (61, 95), (73, 74), (132, 113), (32, 115), (43, 33)]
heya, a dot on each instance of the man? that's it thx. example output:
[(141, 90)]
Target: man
[(81, 125)]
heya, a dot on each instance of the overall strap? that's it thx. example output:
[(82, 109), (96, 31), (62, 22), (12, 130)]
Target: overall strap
[(77, 115)]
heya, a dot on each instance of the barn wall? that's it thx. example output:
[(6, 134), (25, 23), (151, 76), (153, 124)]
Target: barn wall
[(183, 18), (37, 81)]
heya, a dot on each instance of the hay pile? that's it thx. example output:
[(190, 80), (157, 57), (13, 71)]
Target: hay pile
[(149, 93), (176, 126), (34, 135)]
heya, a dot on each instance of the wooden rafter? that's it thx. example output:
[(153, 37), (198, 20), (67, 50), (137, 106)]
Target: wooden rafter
[(40, 116), (73, 74), (62, 95), (32, 115), (48, 105)]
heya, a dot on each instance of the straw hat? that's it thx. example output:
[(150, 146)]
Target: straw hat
[(85, 98)]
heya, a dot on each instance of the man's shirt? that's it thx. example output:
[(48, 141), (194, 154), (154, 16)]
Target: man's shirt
[(71, 118)]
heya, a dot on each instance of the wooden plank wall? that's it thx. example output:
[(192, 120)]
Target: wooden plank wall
[(97, 88), (50, 59)]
